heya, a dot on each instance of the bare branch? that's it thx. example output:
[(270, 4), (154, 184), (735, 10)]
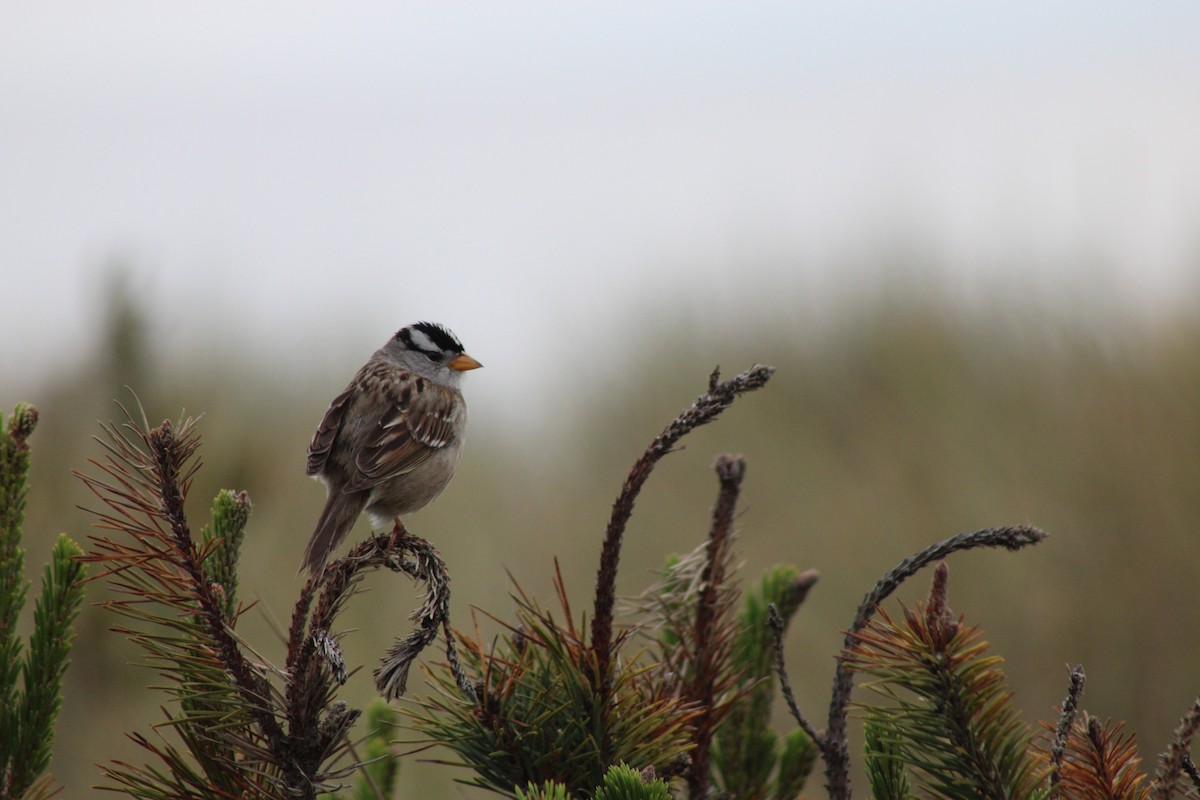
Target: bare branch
[(785, 686), (1066, 718), (1170, 767), (837, 750), (705, 409), (1189, 767), (730, 472)]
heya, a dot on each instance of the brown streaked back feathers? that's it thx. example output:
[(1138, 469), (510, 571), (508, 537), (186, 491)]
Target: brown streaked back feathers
[(386, 423)]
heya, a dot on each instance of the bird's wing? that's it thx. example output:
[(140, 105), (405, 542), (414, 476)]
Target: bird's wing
[(327, 431), (420, 420)]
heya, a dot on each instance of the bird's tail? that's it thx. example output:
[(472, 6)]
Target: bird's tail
[(336, 520)]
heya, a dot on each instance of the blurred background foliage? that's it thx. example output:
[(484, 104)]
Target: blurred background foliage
[(897, 418)]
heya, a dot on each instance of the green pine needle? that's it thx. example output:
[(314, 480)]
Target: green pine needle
[(28, 711), (622, 782), (747, 752), (377, 776), (543, 714), (223, 539), (885, 767), (550, 790), (47, 660), (14, 470), (1101, 762), (796, 762), (948, 713)]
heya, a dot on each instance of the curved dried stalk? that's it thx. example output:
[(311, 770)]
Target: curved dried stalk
[(833, 744), (705, 409)]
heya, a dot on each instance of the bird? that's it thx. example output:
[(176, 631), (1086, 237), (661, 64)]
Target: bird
[(390, 443)]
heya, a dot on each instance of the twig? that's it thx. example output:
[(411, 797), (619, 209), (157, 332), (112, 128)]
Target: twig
[(836, 751), (145, 494), (460, 676), (1189, 767), (300, 621), (775, 620), (705, 409), (795, 594), (730, 472), (391, 676), (1170, 763), (1066, 719)]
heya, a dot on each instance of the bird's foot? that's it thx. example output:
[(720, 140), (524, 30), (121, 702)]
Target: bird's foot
[(398, 532)]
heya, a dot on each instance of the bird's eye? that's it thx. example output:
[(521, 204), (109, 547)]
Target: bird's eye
[(434, 357)]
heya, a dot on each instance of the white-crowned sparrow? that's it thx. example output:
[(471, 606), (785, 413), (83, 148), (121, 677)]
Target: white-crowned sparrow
[(390, 443)]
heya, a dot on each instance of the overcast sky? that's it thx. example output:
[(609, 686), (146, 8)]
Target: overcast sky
[(529, 172)]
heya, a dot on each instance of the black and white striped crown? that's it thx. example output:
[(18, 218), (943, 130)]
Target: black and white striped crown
[(430, 338)]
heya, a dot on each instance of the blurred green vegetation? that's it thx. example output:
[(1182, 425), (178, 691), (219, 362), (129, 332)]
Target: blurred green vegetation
[(895, 425)]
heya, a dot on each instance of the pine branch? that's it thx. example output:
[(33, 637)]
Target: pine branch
[(147, 477), (1066, 721), (14, 472), (391, 677), (550, 790), (835, 748), (744, 755), (1100, 762), (405, 553), (949, 716), (705, 409), (229, 714), (623, 783), (795, 765), (377, 776), (885, 764), (747, 750), (712, 633), (1170, 767), (47, 661), (775, 620), (315, 663), (1189, 767), (222, 540), (27, 714), (231, 717), (540, 717)]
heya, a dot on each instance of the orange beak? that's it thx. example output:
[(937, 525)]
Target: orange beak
[(463, 363)]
